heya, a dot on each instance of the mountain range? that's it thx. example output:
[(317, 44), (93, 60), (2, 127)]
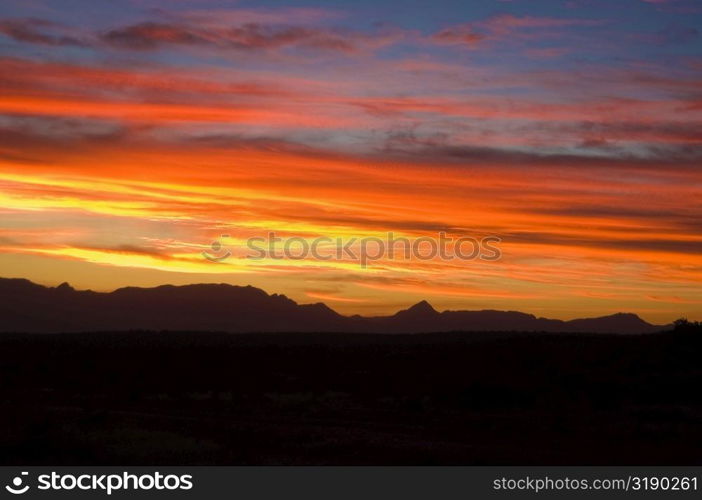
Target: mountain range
[(28, 307)]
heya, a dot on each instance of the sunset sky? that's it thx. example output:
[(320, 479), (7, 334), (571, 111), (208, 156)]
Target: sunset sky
[(135, 133)]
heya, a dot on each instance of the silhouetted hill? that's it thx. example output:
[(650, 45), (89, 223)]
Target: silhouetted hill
[(28, 307)]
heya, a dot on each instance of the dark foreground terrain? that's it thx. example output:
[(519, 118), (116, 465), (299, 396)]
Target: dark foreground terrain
[(459, 398)]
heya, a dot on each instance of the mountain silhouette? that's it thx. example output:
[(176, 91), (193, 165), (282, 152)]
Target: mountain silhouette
[(29, 307), (421, 310)]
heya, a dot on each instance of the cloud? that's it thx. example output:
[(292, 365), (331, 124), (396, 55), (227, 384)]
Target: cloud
[(39, 32), (463, 35), (256, 36), (247, 37), (509, 21), (140, 83), (150, 35), (547, 52), (238, 30), (239, 16), (503, 26)]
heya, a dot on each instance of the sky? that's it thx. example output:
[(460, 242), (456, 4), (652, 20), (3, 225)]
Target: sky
[(133, 134)]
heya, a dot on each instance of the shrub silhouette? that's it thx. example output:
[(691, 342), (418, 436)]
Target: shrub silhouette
[(683, 325)]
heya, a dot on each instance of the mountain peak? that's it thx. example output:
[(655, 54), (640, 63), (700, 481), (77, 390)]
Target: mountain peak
[(65, 287), (420, 309)]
